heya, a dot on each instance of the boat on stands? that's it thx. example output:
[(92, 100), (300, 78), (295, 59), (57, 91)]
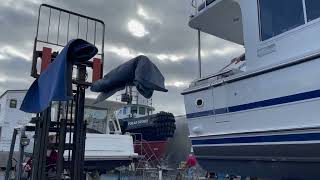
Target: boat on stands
[(260, 117)]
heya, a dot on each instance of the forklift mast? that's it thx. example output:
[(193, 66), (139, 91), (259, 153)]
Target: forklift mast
[(55, 28)]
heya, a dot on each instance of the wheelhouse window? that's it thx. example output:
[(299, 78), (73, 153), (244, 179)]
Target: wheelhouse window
[(134, 110), (277, 17), (313, 9), (13, 103), (142, 110)]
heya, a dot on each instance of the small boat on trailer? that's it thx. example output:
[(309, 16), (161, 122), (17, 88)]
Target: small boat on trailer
[(261, 120)]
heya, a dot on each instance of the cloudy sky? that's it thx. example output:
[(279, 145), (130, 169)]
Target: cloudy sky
[(156, 28)]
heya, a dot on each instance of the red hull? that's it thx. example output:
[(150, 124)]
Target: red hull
[(152, 150)]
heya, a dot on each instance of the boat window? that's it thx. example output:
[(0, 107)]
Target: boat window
[(313, 9), (142, 110), (277, 17), (125, 110), (134, 110), (91, 114), (13, 103)]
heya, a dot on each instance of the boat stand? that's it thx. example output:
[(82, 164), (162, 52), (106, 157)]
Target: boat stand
[(62, 129)]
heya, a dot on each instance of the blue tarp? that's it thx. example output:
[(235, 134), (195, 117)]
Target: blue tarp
[(55, 83), (139, 72)]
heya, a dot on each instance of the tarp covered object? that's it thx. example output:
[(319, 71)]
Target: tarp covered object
[(139, 72), (55, 83)]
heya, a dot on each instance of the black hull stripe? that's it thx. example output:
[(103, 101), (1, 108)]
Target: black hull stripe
[(260, 139)]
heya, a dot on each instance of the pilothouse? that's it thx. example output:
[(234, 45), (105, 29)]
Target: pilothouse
[(263, 119)]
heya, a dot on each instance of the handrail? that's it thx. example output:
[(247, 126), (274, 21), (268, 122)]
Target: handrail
[(195, 5), (199, 6)]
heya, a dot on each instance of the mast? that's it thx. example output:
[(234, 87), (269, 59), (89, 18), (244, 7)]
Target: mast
[(127, 96), (199, 53)]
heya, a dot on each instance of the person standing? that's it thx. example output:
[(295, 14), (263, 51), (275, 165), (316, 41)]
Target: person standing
[(191, 166)]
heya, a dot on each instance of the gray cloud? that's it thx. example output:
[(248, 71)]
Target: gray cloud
[(15, 67), (170, 102), (17, 26), (168, 34)]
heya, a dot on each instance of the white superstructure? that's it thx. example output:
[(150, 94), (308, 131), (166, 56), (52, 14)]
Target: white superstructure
[(137, 106), (264, 121)]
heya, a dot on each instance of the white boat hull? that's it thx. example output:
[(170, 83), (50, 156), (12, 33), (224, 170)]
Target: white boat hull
[(268, 119)]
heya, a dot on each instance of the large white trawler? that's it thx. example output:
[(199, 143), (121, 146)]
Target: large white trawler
[(264, 121)]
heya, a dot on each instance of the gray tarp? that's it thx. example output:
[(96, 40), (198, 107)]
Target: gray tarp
[(139, 72)]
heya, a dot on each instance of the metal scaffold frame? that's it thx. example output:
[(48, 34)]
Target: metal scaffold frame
[(56, 37)]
